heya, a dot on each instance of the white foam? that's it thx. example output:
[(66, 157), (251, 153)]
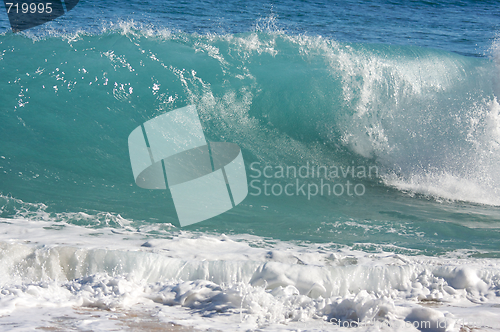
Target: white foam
[(443, 185), (230, 282)]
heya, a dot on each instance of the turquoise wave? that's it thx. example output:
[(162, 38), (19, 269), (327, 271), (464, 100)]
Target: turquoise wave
[(428, 120)]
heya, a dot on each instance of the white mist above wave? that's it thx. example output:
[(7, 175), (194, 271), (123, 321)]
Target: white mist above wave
[(472, 176), (430, 119), (232, 282)]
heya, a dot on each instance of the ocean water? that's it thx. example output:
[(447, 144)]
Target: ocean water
[(381, 119)]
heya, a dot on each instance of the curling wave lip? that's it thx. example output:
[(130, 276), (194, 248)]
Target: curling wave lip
[(204, 178)]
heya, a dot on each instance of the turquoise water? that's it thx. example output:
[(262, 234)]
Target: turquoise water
[(293, 85)]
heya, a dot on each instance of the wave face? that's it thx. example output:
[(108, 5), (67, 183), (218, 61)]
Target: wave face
[(428, 120)]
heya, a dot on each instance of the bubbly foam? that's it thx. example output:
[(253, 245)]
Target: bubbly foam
[(247, 281)]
